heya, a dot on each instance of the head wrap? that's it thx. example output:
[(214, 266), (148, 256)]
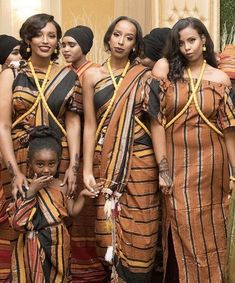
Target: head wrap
[(154, 43), (83, 35), (7, 44)]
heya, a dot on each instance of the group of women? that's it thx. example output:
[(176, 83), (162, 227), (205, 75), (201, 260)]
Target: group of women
[(160, 145)]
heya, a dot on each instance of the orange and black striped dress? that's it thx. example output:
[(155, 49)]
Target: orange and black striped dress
[(137, 225), (60, 93), (196, 212), (42, 251)]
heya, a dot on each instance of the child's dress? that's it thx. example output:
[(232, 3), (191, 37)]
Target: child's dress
[(43, 247)]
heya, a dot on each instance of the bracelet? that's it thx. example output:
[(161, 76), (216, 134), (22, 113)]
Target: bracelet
[(232, 178)]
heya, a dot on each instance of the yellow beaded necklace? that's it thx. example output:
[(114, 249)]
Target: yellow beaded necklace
[(40, 97), (116, 86)]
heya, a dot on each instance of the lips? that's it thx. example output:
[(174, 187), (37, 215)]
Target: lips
[(118, 49), (44, 48)]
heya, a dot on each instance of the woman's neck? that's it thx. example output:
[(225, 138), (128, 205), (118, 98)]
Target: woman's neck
[(40, 63), (117, 64), (196, 64), (76, 65)]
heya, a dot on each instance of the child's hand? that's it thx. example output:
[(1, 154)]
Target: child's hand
[(39, 183)]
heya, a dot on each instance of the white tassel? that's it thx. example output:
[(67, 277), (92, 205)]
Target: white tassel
[(109, 254), (108, 208)]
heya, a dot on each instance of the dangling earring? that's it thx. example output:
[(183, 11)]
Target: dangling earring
[(133, 49), (204, 47), (55, 51), (28, 49)]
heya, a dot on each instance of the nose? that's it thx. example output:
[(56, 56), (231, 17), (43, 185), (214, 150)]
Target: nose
[(187, 46), (45, 39), (121, 40), (46, 170)]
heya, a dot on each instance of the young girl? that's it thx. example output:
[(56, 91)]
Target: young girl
[(43, 248)]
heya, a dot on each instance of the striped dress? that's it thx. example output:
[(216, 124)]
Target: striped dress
[(42, 251), (196, 212), (61, 96), (137, 225), (85, 266)]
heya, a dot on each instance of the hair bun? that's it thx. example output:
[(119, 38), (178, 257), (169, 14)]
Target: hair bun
[(43, 132)]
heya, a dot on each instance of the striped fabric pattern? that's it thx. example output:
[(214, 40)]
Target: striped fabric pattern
[(43, 247), (85, 265), (137, 225), (61, 93), (196, 213)]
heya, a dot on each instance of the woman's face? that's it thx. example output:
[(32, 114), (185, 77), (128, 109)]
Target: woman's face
[(44, 44), (191, 44), (13, 56), (123, 39), (71, 50)]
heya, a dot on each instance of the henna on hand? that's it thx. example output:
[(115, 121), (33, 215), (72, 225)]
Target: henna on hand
[(164, 171), (11, 171), (75, 167)]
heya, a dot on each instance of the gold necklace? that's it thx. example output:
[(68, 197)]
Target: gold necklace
[(116, 86)]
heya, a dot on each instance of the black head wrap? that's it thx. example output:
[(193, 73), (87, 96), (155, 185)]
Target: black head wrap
[(7, 44), (83, 35), (154, 43)]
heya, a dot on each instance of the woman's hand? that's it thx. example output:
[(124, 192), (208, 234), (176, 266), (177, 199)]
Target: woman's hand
[(70, 179), (165, 183), (90, 183), (19, 182)]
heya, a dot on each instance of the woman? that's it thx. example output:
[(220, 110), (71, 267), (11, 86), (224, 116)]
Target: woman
[(76, 44), (114, 101), (9, 51), (9, 56), (41, 94), (198, 116)]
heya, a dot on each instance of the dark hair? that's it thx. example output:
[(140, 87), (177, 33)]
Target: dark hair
[(139, 47), (43, 137), (177, 62), (31, 27)]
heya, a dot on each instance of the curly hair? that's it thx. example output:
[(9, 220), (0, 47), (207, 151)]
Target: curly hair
[(177, 62), (139, 47), (31, 27), (43, 137)]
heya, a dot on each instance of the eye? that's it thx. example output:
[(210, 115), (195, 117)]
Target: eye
[(52, 35), (63, 45), (116, 34), (181, 43), (39, 164), (52, 164), (130, 38), (72, 45), (15, 52), (191, 40)]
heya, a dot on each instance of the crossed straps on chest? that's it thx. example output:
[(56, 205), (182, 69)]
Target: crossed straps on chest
[(193, 98), (40, 97)]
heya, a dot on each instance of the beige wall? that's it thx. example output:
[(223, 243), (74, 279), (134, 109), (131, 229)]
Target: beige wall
[(97, 14)]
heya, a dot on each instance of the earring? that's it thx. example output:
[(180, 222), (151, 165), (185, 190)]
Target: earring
[(28, 49), (55, 51), (133, 49), (204, 48)]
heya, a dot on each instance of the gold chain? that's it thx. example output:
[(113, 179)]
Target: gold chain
[(116, 86)]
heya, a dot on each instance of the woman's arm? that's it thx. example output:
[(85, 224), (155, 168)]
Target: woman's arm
[(73, 128), (6, 144), (90, 127), (159, 146), (229, 138)]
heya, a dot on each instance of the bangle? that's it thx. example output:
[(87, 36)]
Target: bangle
[(232, 178)]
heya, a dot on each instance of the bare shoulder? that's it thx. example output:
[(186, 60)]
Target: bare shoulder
[(219, 76), (161, 68), (93, 75), (7, 76)]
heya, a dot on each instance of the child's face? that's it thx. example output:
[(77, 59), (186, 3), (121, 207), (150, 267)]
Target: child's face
[(44, 163)]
